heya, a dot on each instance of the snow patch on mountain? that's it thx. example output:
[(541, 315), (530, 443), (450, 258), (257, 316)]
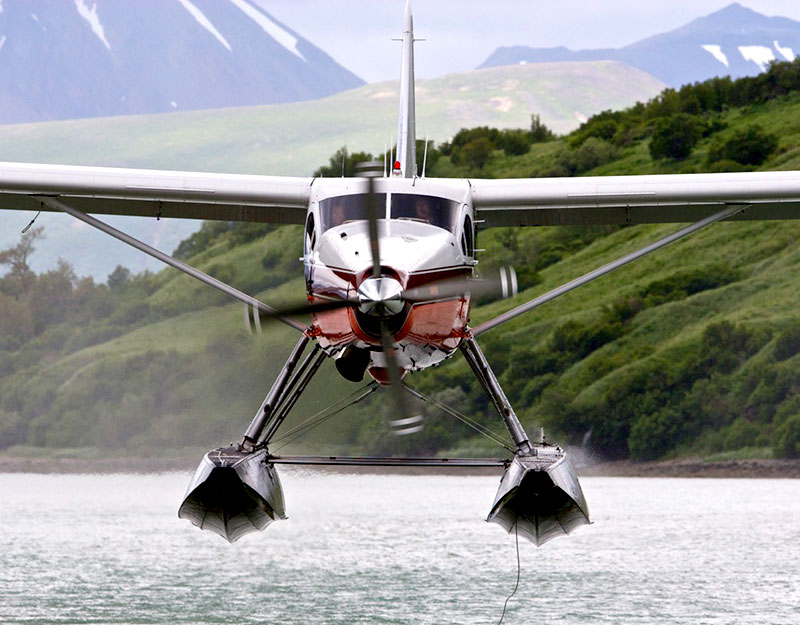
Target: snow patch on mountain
[(717, 53), (204, 22), (760, 55), (271, 28), (785, 52), (90, 15), (35, 18)]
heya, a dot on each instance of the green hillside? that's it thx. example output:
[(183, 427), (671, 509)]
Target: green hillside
[(693, 350)]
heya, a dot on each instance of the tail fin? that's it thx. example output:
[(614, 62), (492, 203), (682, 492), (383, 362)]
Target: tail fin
[(406, 126)]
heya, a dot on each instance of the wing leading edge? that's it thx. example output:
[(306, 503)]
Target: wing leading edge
[(519, 202), (154, 193), (635, 199)]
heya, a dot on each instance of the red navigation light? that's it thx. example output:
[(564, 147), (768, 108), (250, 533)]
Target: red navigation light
[(397, 164)]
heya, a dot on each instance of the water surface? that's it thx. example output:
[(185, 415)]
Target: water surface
[(398, 549)]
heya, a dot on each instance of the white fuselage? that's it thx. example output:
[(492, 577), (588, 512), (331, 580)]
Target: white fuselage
[(425, 234)]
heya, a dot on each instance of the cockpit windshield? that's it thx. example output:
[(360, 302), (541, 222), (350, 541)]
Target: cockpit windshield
[(429, 209), (334, 211)]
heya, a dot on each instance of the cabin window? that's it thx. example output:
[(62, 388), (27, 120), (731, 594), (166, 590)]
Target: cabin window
[(311, 235), (338, 210), (429, 209), (468, 238)]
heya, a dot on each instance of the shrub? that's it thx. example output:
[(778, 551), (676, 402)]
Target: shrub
[(13, 429), (675, 136), (787, 343), (726, 166), (476, 153), (515, 142), (787, 438), (602, 126), (741, 433), (685, 283), (655, 434), (592, 153), (750, 146)]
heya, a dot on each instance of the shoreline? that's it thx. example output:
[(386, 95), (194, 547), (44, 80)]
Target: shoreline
[(679, 468)]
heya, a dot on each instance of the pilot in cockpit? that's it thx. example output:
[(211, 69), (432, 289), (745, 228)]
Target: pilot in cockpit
[(338, 213), (422, 209)]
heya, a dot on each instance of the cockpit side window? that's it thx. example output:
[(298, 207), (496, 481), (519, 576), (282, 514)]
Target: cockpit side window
[(335, 211), (429, 209), (311, 234), (468, 238)]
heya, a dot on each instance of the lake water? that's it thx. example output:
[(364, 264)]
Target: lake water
[(398, 549)]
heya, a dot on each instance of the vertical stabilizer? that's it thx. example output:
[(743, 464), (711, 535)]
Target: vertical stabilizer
[(406, 126)]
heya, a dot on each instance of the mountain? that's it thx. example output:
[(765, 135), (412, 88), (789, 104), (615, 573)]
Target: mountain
[(293, 139), (67, 59), (735, 41)]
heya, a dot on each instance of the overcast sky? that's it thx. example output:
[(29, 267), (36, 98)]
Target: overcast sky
[(461, 34)]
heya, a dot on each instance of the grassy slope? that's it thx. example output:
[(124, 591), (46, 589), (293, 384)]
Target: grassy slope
[(766, 253)]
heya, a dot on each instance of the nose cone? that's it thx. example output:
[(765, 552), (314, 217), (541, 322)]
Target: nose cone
[(380, 296)]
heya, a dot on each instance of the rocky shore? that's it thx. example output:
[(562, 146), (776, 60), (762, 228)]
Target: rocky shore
[(697, 467), (687, 467)]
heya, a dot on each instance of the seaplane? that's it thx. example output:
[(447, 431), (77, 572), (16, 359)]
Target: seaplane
[(390, 273)]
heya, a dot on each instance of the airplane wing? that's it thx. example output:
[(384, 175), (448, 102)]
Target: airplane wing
[(155, 193), (635, 199)]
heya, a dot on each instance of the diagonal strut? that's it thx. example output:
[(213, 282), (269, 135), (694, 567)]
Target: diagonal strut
[(730, 211), (230, 291)]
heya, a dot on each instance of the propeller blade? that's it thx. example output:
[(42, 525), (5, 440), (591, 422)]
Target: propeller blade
[(407, 423), (304, 308), (254, 316), (370, 171), (504, 286)]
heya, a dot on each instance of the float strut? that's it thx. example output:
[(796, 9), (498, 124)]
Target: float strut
[(274, 397), (487, 378)]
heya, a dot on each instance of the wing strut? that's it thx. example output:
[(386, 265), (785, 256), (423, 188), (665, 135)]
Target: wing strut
[(169, 260), (730, 211)]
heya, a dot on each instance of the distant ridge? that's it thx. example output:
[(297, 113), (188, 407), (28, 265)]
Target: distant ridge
[(294, 139), (734, 41), (68, 59)]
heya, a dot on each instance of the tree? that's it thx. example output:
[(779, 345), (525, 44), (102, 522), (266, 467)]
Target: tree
[(675, 136), (540, 133), (20, 278), (476, 153), (515, 142), (118, 279), (343, 164)]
